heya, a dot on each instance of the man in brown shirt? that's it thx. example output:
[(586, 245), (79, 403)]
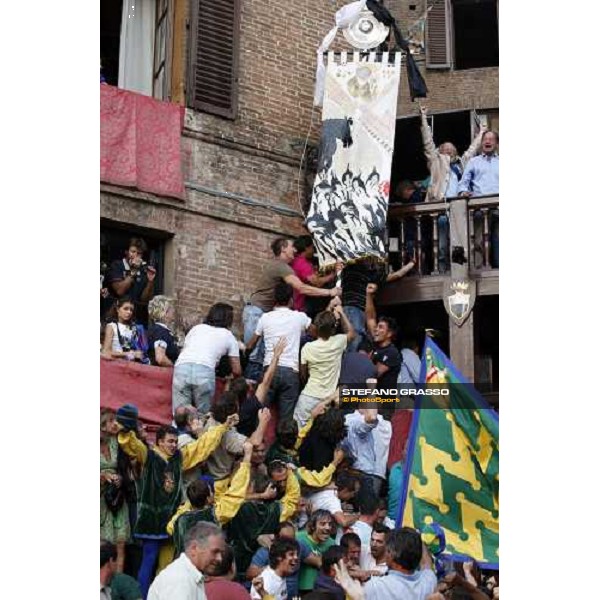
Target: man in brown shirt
[(277, 269)]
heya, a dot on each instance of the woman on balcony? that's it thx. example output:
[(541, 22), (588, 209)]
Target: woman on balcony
[(122, 337), (162, 345)]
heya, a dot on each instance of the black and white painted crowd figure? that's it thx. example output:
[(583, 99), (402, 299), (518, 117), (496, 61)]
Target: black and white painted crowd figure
[(347, 217)]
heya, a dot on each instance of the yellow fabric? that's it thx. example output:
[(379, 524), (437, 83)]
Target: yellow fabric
[(165, 556), (183, 508), (191, 454), (133, 446), (230, 502), (317, 479), (303, 433), (221, 488), (323, 358), (198, 451), (289, 503)]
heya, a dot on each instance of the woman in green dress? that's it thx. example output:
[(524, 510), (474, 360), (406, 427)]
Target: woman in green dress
[(114, 524)]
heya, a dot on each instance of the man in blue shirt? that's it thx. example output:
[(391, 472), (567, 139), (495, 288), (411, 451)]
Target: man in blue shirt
[(481, 178), (410, 574), (481, 175), (369, 436), (411, 363)]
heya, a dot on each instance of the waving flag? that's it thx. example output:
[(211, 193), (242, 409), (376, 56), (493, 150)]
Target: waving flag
[(452, 473)]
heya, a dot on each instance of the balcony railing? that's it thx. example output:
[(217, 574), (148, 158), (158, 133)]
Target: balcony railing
[(425, 233), (484, 214)]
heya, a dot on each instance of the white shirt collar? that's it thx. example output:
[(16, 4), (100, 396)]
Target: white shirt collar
[(196, 575), (163, 325)]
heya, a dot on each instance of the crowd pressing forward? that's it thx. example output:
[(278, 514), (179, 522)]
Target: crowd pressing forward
[(205, 508)]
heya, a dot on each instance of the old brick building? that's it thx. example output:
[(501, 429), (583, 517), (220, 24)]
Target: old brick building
[(242, 144)]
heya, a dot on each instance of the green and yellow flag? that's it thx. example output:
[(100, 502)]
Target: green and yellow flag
[(452, 476)]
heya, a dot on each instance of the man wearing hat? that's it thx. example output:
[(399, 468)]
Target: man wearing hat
[(161, 480)]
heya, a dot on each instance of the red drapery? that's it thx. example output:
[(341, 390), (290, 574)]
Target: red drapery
[(149, 388), (140, 142)]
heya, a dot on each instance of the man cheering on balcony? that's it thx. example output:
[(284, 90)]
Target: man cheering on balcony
[(446, 168), (481, 178), (482, 174)]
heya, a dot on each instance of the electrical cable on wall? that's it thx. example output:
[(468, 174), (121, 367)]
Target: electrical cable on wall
[(245, 200), (312, 113)]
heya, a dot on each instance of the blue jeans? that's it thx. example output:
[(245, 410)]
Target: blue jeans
[(193, 385), (150, 550), (284, 390), (250, 317), (356, 316), (370, 486)]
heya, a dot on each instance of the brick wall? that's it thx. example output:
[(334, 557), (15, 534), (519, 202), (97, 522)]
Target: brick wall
[(219, 243), (448, 90)]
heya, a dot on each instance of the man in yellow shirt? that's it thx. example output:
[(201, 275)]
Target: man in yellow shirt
[(321, 362)]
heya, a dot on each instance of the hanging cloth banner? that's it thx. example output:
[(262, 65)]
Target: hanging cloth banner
[(348, 210)]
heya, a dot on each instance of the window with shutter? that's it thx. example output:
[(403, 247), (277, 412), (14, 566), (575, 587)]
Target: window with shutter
[(163, 35), (214, 49), (439, 32)]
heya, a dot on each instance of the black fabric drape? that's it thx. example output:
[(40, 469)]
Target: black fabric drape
[(416, 83)]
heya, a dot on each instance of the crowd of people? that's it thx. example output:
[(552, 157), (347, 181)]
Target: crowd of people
[(208, 509)]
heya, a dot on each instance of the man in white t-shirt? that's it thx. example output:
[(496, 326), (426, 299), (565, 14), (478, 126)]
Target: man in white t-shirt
[(321, 361), (205, 344), (282, 322), (369, 508), (375, 562), (345, 488), (283, 562)]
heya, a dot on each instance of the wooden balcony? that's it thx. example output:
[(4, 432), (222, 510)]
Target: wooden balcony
[(414, 232)]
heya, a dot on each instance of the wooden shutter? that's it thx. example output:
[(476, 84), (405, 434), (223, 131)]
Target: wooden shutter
[(214, 50), (439, 34), (163, 41), (179, 60)]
